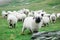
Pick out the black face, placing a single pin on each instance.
(38, 19)
(5, 16)
(26, 13)
(35, 31)
(42, 15)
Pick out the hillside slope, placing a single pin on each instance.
(48, 5)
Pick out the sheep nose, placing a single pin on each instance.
(38, 20)
(42, 15)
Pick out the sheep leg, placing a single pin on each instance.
(14, 25)
(30, 31)
(54, 21)
(51, 21)
(44, 24)
(10, 25)
(47, 24)
(35, 31)
(23, 20)
(23, 29)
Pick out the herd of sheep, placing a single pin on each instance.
(32, 20)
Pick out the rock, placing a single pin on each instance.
(51, 35)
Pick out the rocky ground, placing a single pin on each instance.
(52, 35)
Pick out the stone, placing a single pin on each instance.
(51, 35)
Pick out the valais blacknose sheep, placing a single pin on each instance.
(12, 20)
(31, 23)
(4, 14)
(53, 18)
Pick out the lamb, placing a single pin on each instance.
(58, 15)
(21, 16)
(31, 14)
(53, 18)
(12, 20)
(4, 14)
(42, 13)
(18, 15)
(45, 18)
(26, 11)
(31, 23)
(45, 21)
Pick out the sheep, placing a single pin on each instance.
(31, 14)
(45, 21)
(31, 23)
(45, 17)
(26, 11)
(41, 12)
(37, 14)
(20, 17)
(4, 14)
(58, 15)
(12, 20)
(53, 18)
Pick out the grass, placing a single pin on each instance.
(14, 34)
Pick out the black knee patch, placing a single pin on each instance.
(35, 31)
(53, 20)
(44, 24)
(10, 24)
